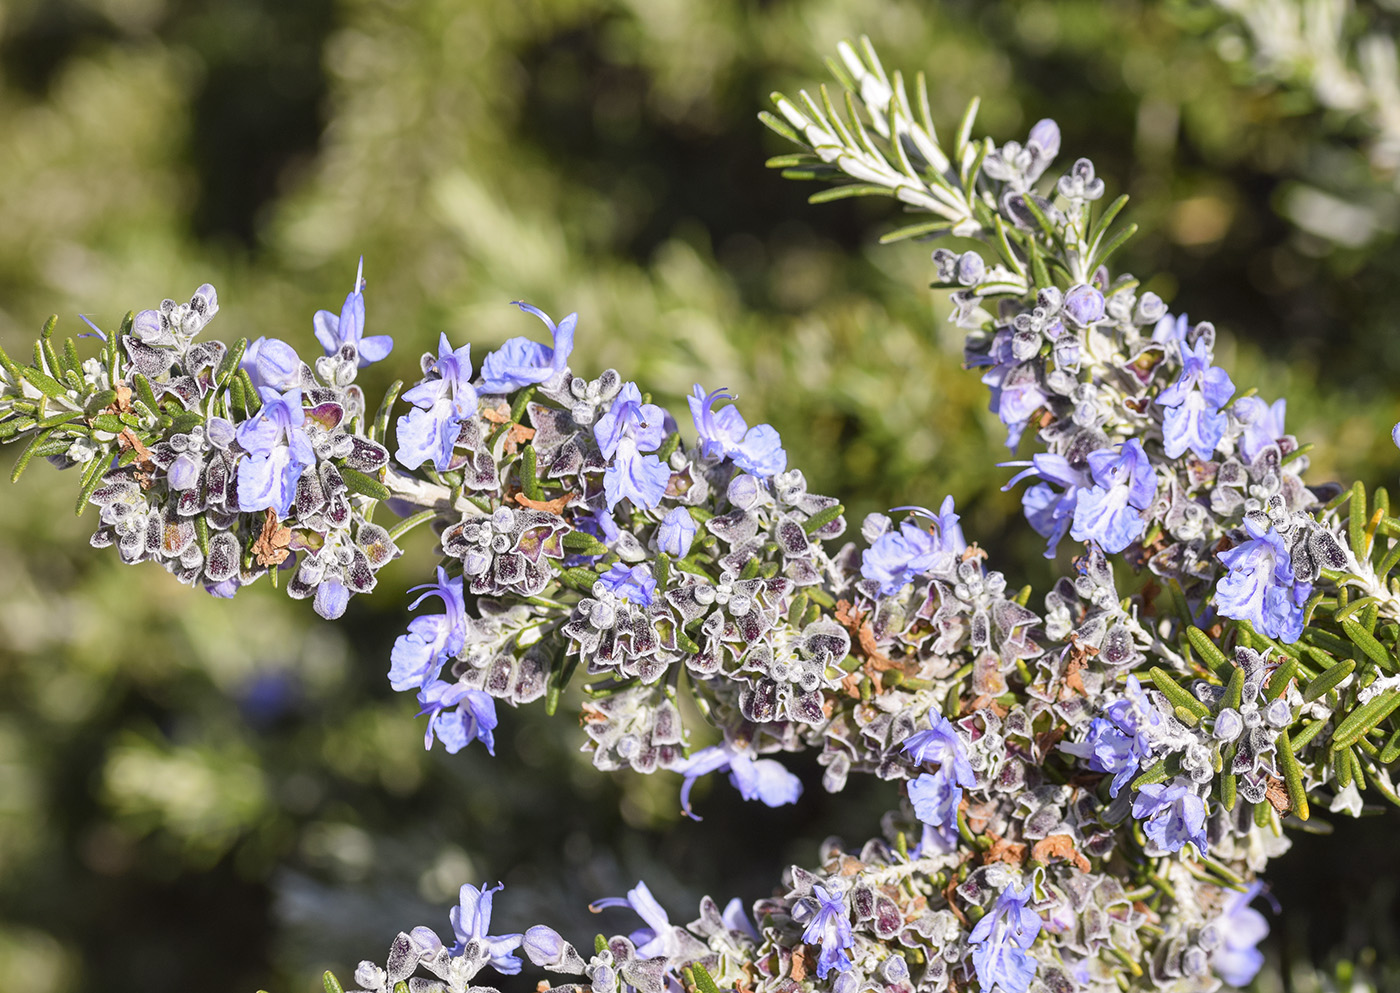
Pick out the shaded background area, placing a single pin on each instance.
(226, 795)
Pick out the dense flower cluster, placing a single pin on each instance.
(1088, 786)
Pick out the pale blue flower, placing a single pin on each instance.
(1109, 750)
(427, 435)
(1241, 928)
(522, 362)
(278, 453)
(634, 584)
(1000, 940)
(633, 476)
(1015, 388)
(896, 558)
(1110, 511)
(676, 532)
(1262, 423)
(473, 719)
(658, 938)
(1049, 511)
(1260, 586)
(1172, 814)
(830, 927)
(418, 656)
(471, 919)
(764, 780)
(941, 744)
(725, 434)
(935, 797)
(628, 417)
(440, 403)
(272, 362)
(1194, 420)
(349, 328)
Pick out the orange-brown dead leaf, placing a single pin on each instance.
(496, 415)
(864, 634)
(122, 404)
(1277, 795)
(554, 506)
(801, 963)
(1010, 852)
(1059, 846)
(851, 866)
(1047, 740)
(270, 547)
(128, 439)
(984, 702)
(517, 436)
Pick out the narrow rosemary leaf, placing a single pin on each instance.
(822, 518)
(364, 485)
(1176, 695)
(1210, 653)
(1361, 720)
(851, 190)
(1329, 679)
(1365, 641)
(779, 126)
(1356, 520)
(914, 231)
(409, 523)
(1293, 776)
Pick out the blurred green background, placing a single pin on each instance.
(200, 794)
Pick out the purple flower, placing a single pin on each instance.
(936, 797)
(1172, 814)
(471, 919)
(755, 779)
(1120, 741)
(1260, 587)
(1015, 387)
(1050, 512)
(1262, 423)
(272, 362)
(676, 532)
(1241, 927)
(427, 435)
(941, 744)
(633, 476)
(1109, 750)
(473, 720)
(521, 362)
(278, 453)
(545, 946)
(184, 473)
(349, 328)
(658, 939)
(725, 434)
(1110, 512)
(1001, 939)
(418, 656)
(829, 926)
(429, 431)
(736, 920)
(1194, 419)
(634, 584)
(898, 557)
(628, 417)
(1084, 305)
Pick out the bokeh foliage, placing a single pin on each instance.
(204, 794)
